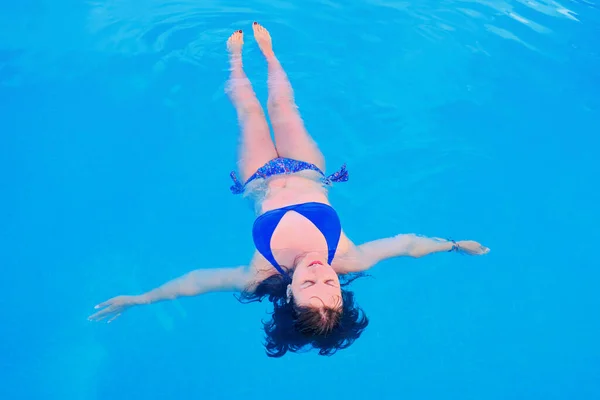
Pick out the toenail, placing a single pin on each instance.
(255, 23)
(240, 31)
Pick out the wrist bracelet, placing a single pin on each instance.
(455, 246)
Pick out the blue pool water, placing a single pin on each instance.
(471, 119)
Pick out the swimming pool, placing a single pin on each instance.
(464, 119)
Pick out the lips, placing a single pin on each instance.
(315, 263)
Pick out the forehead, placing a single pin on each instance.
(329, 301)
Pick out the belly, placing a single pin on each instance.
(286, 190)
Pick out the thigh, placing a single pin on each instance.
(291, 138)
(256, 146)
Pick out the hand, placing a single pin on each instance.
(472, 248)
(114, 307)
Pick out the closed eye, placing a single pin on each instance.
(329, 282)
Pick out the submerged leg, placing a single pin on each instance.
(291, 138)
(256, 147)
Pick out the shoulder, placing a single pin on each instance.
(348, 258)
(257, 272)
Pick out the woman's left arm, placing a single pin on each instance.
(410, 245)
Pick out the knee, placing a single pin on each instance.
(281, 105)
(251, 108)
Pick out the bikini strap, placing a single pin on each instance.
(238, 187)
(340, 176)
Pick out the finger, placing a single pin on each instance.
(113, 318)
(481, 250)
(105, 303)
(100, 315)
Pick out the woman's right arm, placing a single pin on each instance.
(198, 282)
(191, 284)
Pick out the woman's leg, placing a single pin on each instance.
(291, 138)
(256, 147)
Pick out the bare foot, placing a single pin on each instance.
(263, 39)
(235, 43)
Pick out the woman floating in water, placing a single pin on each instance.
(303, 259)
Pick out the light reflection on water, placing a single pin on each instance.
(428, 89)
(191, 30)
(387, 64)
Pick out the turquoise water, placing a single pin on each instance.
(469, 119)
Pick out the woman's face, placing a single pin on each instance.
(315, 284)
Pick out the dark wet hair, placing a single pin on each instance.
(293, 328)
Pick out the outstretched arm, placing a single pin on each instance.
(191, 284)
(411, 245)
(198, 282)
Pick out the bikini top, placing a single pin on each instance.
(323, 216)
